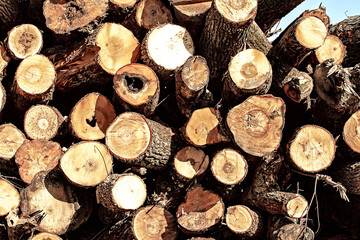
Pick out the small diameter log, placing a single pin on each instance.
(191, 14)
(91, 116)
(86, 164)
(249, 73)
(118, 47)
(312, 149)
(34, 82)
(42, 122)
(351, 133)
(256, 124)
(297, 85)
(63, 207)
(244, 222)
(11, 138)
(191, 81)
(63, 17)
(119, 192)
(9, 197)
(348, 174)
(24, 40)
(224, 35)
(281, 228)
(166, 48)
(331, 48)
(141, 142)
(137, 88)
(36, 156)
(203, 128)
(45, 236)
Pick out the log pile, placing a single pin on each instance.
(177, 119)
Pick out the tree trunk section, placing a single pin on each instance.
(256, 39)
(9, 197)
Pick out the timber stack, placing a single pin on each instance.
(177, 119)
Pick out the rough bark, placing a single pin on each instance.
(256, 39)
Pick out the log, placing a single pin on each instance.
(24, 40)
(256, 39)
(347, 173)
(224, 35)
(348, 31)
(244, 222)
(2, 99)
(280, 228)
(11, 139)
(331, 48)
(9, 197)
(86, 164)
(350, 135)
(201, 211)
(249, 73)
(91, 116)
(4, 60)
(35, 156)
(203, 128)
(166, 48)
(120, 9)
(118, 47)
(191, 80)
(45, 236)
(297, 85)
(137, 88)
(256, 124)
(42, 122)
(34, 82)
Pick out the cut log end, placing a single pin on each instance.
(150, 13)
(124, 3)
(25, 40)
(331, 48)
(86, 164)
(190, 8)
(11, 139)
(351, 132)
(297, 207)
(194, 74)
(229, 167)
(237, 11)
(91, 116)
(46, 236)
(9, 197)
(312, 149)
(2, 97)
(190, 162)
(311, 32)
(298, 86)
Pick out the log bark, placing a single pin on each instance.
(9, 197)
(348, 173)
(10, 15)
(256, 39)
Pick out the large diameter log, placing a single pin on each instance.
(9, 197)
(24, 40)
(256, 124)
(312, 148)
(331, 48)
(137, 88)
(86, 164)
(118, 47)
(249, 73)
(224, 35)
(63, 17)
(91, 116)
(166, 48)
(11, 138)
(34, 82)
(36, 156)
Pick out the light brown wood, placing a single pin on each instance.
(331, 48)
(351, 132)
(45, 236)
(124, 3)
(151, 13)
(9, 197)
(2, 97)
(4, 60)
(11, 138)
(298, 85)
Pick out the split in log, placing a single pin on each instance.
(46, 236)
(137, 88)
(244, 222)
(63, 17)
(34, 82)
(9, 197)
(166, 48)
(119, 192)
(42, 122)
(256, 124)
(36, 156)
(24, 40)
(203, 128)
(86, 164)
(191, 81)
(331, 48)
(249, 73)
(281, 228)
(312, 149)
(118, 47)
(201, 211)
(91, 116)
(11, 139)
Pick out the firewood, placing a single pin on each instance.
(42, 122)
(63, 207)
(297, 85)
(36, 156)
(137, 88)
(256, 39)
(201, 211)
(119, 192)
(11, 139)
(10, 13)
(165, 48)
(45, 236)
(34, 82)
(141, 142)
(348, 32)
(331, 48)
(256, 124)
(203, 128)
(280, 228)
(350, 135)
(86, 164)
(119, 9)
(9, 197)
(24, 40)
(249, 73)
(2, 99)
(312, 148)
(244, 222)
(191, 81)
(19, 227)
(91, 116)
(224, 35)
(63, 17)
(4, 61)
